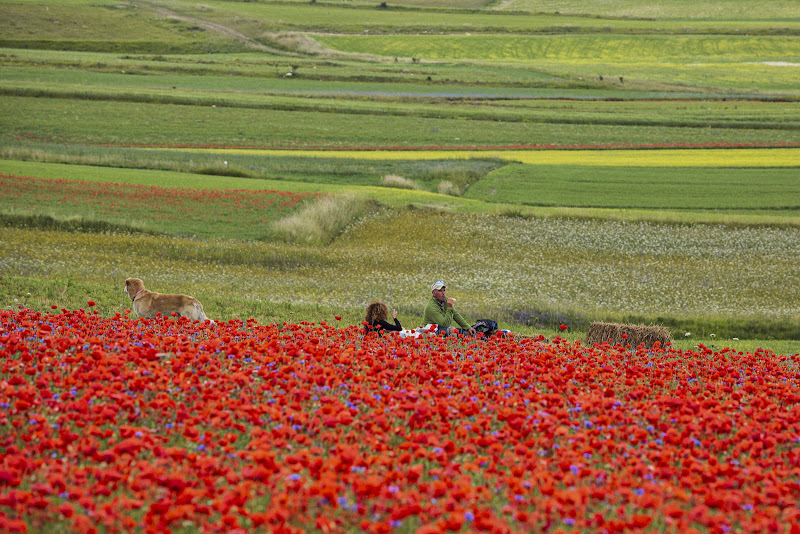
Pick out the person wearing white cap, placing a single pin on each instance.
(439, 311)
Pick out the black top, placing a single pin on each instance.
(378, 326)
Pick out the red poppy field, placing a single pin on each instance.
(117, 424)
(176, 209)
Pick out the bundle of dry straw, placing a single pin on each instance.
(636, 334)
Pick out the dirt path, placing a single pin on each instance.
(212, 26)
(502, 5)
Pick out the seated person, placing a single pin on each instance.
(377, 313)
(439, 311)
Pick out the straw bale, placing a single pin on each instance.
(637, 334)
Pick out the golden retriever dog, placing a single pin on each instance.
(149, 303)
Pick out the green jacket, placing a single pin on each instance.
(434, 314)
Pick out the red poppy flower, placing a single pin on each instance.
(562, 327)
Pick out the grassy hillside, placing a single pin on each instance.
(196, 135)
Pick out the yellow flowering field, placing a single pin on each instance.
(666, 157)
(617, 48)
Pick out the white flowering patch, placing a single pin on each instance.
(490, 264)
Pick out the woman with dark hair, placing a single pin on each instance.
(377, 314)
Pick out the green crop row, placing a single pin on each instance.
(319, 76)
(251, 164)
(328, 97)
(349, 18)
(112, 27)
(674, 188)
(739, 10)
(598, 48)
(134, 123)
(739, 62)
(730, 10)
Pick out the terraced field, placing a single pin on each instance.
(668, 120)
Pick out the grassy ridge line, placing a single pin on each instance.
(731, 157)
(389, 196)
(157, 178)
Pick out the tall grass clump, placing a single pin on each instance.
(449, 188)
(460, 173)
(392, 180)
(454, 178)
(318, 223)
(295, 42)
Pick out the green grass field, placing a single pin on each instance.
(79, 121)
(643, 187)
(738, 10)
(740, 63)
(667, 9)
(678, 194)
(235, 213)
(692, 277)
(506, 104)
(107, 109)
(531, 274)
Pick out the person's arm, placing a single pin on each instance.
(391, 327)
(453, 315)
(460, 320)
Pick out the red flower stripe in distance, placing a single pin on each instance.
(167, 203)
(117, 424)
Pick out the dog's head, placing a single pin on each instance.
(133, 286)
